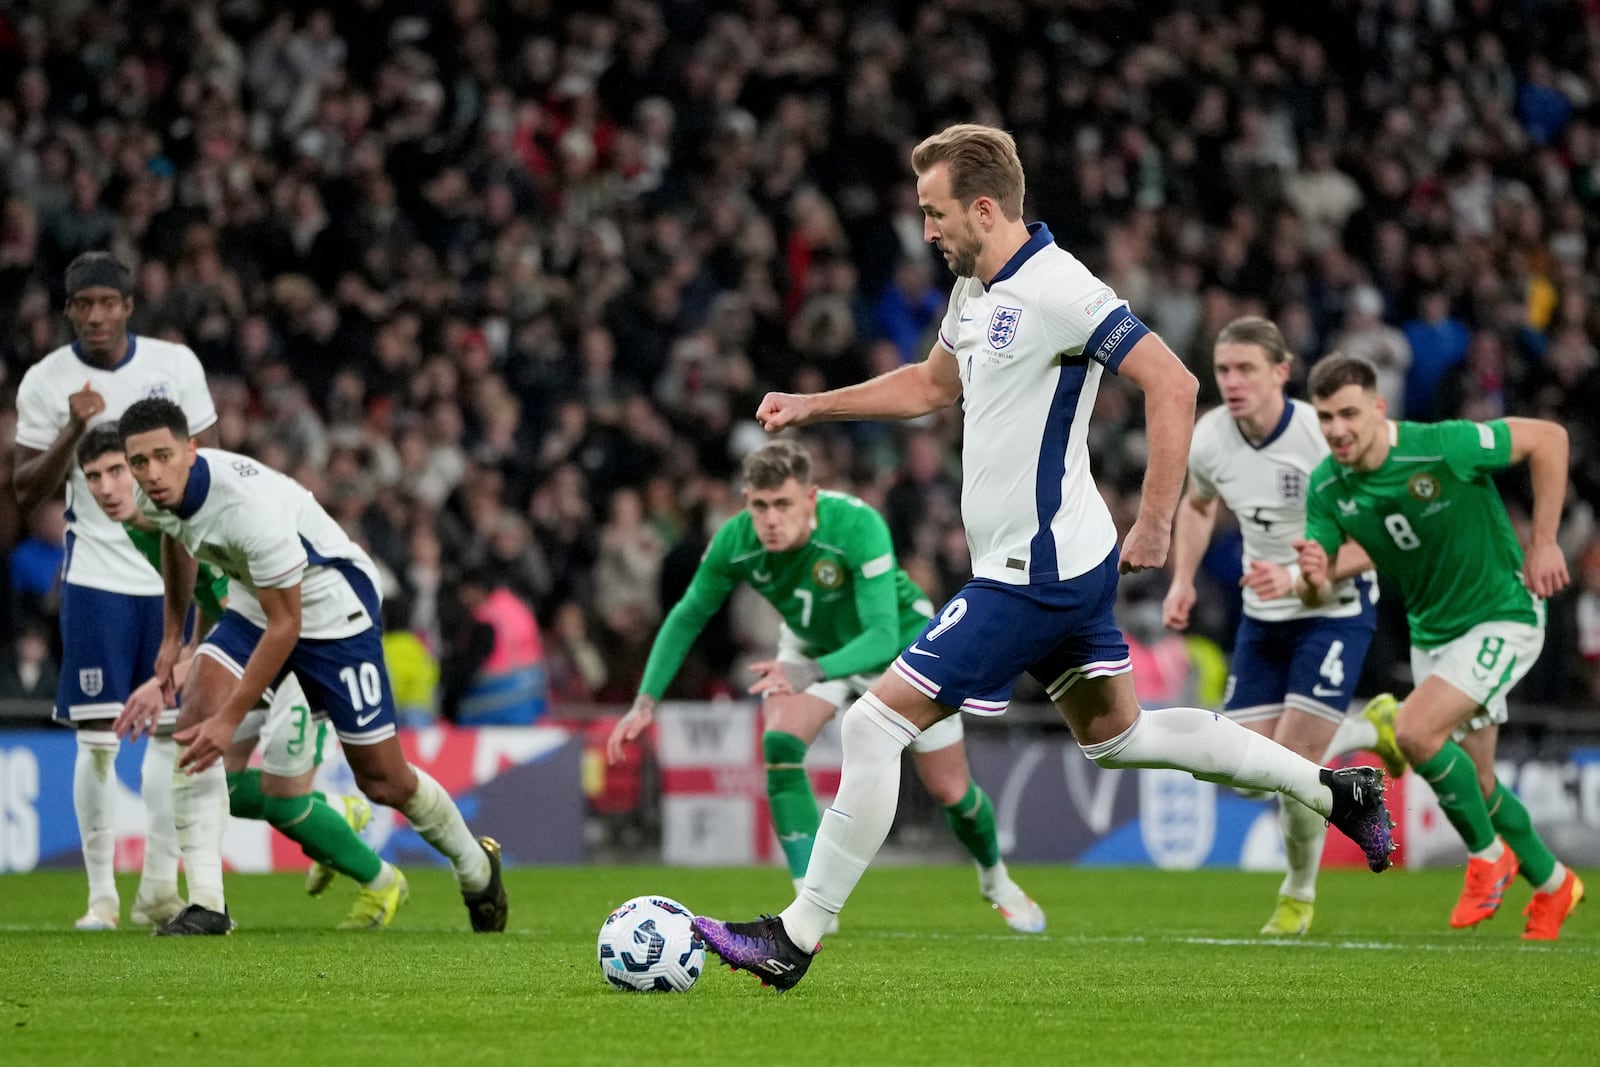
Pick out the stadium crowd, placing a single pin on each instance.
(504, 280)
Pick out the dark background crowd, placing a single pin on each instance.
(503, 281)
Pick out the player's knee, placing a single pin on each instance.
(948, 789)
(1416, 744)
(385, 790)
(867, 722)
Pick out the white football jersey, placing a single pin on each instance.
(1030, 347)
(264, 530)
(1265, 487)
(99, 554)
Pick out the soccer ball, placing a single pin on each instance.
(648, 945)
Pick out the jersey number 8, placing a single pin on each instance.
(1405, 538)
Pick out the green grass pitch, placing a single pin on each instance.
(1137, 967)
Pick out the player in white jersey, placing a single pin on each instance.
(303, 597)
(110, 599)
(1294, 668)
(1027, 336)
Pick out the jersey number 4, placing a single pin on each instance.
(1405, 538)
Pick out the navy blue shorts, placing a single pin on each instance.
(344, 678)
(109, 646)
(1311, 665)
(970, 655)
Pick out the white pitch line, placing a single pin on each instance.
(1236, 942)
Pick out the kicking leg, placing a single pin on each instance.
(1112, 730)
(941, 762)
(876, 730)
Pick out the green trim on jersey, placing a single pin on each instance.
(210, 586)
(1431, 518)
(842, 592)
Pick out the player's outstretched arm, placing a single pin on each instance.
(1169, 393)
(906, 393)
(1197, 518)
(1544, 445)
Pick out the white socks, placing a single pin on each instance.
(200, 810)
(1355, 734)
(852, 829)
(1304, 832)
(386, 876)
(438, 821)
(94, 790)
(1214, 749)
(160, 877)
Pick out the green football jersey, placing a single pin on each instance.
(1431, 518)
(842, 592)
(210, 586)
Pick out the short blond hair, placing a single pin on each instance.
(773, 464)
(980, 160)
(1263, 333)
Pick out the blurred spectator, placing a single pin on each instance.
(576, 665)
(29, 672)
(413, 670)
(1439, 342)
(626, 573)
(35, 564)
(1366, 336)
(492, 672)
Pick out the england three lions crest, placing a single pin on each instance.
(1291, 484)
(91, 680)
(1003, 326)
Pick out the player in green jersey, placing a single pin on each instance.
(1419, 500)
(825, 561)
(280, 793)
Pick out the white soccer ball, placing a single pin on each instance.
(648, 945)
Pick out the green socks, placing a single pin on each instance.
(1454, 779)
(323, 835)
(308, 821)
(789, 795)
(244, 795)
(971, 819)
(1510, 818)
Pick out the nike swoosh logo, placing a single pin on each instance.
(362, 720)
(966, 318)
(915, 651)
(758, 576)
(1318, 691)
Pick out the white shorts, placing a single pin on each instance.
(842, 692)
(1484, 663)
(292, 737)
